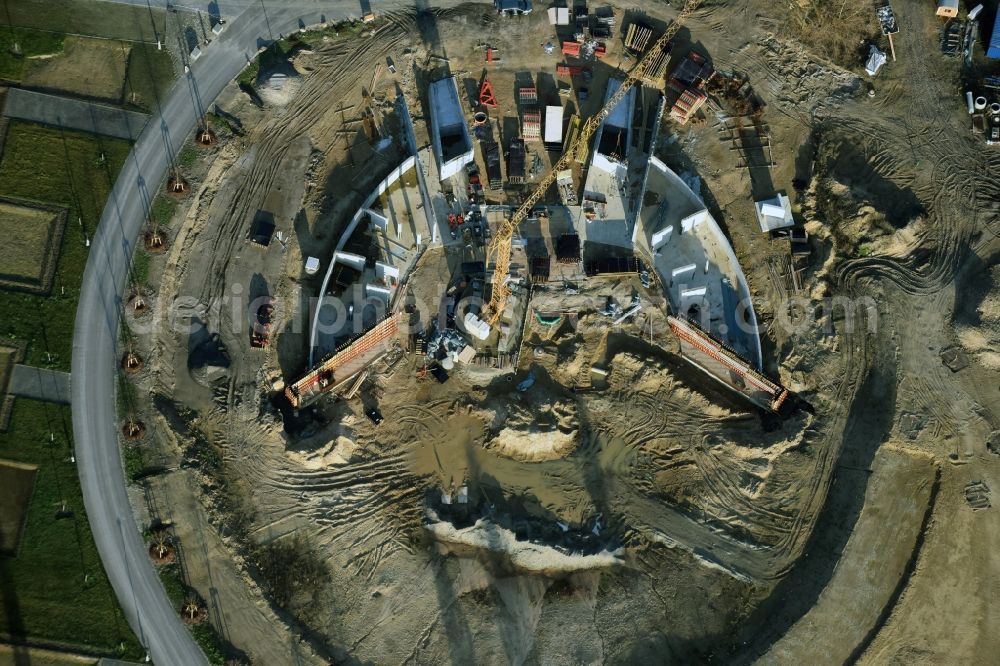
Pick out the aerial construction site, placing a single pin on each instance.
(633, 333)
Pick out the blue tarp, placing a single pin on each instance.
(993, 50)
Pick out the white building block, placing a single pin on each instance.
(683, 270)
(355, 261)
(660, 238)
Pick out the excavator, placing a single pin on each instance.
(499, 250)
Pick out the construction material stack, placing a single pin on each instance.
(491, 152)
(554, 128)
(499, 250)
(531, 119)
(515, 162)
(687, 105)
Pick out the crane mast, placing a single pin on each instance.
(499, 249)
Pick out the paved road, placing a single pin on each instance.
(232, 8)
(40, 384)
(122, 551)
(74, 114)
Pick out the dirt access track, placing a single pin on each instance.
(670, 521)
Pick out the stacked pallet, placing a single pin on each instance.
(531, 124)
(527, 95)
(688, 104)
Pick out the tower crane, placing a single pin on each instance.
(499, 249)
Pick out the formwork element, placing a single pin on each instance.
(657, 69)
(531, 124)
(494, 175)
(726, 366)
(449, 134)
(515, 162)
(571, 48)
(688, 104)
(486, 96)
(693, 71)
(344, 363)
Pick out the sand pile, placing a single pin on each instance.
(524, 555)
(631, 373)
(982, 338)
(332, 446)
(533, 426)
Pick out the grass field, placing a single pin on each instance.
(10, 654)
(86, 17)
(17, 482)
(87, 67)
(26, 256)
(8, 356)
(148, 78)
(63, 168)
(30, 43)
(56, 589)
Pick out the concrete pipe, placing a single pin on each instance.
(480, 118)
(968, 100)
(995, 109)
(980, 103)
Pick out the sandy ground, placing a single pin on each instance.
(739, 536)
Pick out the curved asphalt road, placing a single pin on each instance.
(95, 426)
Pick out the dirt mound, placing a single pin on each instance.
(524, 555)
(635, 374)
(337, 451)
(979, 333)
(534, 425)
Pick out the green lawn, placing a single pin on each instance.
(56, 589)
(29, 43)
(148, 78)
(59, 167)
(85, 17)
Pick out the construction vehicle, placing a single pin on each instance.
(499, 249)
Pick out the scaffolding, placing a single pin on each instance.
(346, 362)
(726, 366)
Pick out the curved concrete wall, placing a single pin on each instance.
(397, 173)
(734, 265)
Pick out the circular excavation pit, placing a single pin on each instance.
(487, 485)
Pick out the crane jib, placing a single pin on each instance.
(499, 248)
